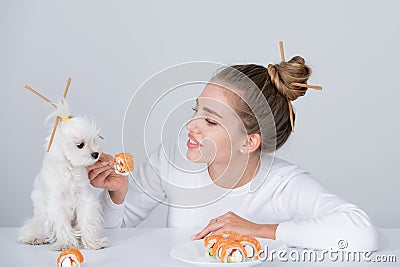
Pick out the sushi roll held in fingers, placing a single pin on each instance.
(232, 252)
(123, 163)
(70, 258)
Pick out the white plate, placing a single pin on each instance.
(194, 252)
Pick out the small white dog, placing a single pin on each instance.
(66, 212)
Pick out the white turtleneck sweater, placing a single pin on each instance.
(281, 193)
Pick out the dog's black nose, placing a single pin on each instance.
(95, 155)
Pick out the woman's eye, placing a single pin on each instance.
(210, 122)
(80, 146)
(194, 109)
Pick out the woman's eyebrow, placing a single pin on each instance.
(206, 109)
(211, 111)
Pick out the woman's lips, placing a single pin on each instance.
(192, 142)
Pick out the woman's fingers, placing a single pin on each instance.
(106, 157)
(102, 175)
(104, 160)
(94, 166)
(98, 176)
(95, 172)
(214, 225)
(210, 228)
(227, 222)
(101, 180)
(97, 165)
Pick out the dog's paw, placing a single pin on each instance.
(94, 244)
(58, 246)
(34, 241)
(66, 243)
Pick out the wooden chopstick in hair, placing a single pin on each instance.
(39, 95)
(291, 114)
(67, 87)
(282, 51)
(53, 133)
(316, 87)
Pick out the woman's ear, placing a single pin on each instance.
(253, 143)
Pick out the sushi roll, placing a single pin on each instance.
(216, 249)
(232, 247)
(232, 252)
(209, 242)
(230, 234)
(251, 246)
(123, 163)
(70, 258)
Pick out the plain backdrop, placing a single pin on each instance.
(346, 135)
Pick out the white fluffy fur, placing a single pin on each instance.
(66, 213)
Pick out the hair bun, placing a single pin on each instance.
(284, 74)
(298, 60)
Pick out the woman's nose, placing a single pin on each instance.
(192, 124)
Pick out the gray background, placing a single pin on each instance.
(346, 135)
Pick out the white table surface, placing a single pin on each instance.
(151, 247)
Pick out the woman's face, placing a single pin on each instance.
(216, 133)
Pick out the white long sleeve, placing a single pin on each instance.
(112, 213)
(139, 201)
(311, 217)
(307, 214)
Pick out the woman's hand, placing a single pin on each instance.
(232, 222)
(102, 175)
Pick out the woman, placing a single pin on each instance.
(242, 116)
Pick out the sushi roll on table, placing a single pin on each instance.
(232, 252)
(209, 242)
(70, 258)
(251, 246)
(232, 247)
(231, 235)
(216, 250)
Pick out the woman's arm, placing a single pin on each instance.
(308, 216)
(126, 205)
(314, 218)
(102, 175)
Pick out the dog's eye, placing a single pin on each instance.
(80, 146)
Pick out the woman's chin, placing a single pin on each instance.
(193, 156)
(197, 157)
